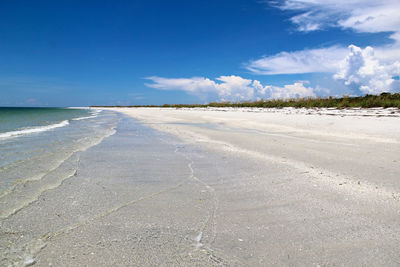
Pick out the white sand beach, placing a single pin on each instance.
(200, 133)
(319, 187)
(220, 187)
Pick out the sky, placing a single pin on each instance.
(139, 52)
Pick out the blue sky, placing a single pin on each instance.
(79, 53)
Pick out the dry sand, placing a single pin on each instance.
(223, 187)
(318, 187)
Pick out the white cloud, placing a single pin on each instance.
(231, 88)
(374, 16)
(303, 61)
(370, 16)
(315, 60)
(291, 91)
(368, 70)
(192, 85)
(234, 88)
(295, 90)
(358, 15)
(364, 72)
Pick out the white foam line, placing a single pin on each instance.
(84, 118)
(93, 113)
(38, 129)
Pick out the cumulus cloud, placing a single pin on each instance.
(291, 91)
(326, 60)
(231, 88)
(227, 88)
(359, 15)
(368, 70)
(234, 87)
(362, 71)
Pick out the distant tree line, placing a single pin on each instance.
(384, 100)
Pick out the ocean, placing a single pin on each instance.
(41, 146)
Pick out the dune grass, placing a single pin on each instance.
(384, 100)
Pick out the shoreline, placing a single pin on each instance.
(210, 188)
(363, 112)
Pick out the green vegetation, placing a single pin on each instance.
(384, 100)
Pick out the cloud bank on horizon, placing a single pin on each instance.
(369, 70)
(231, 88)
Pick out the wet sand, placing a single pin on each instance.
(222, 187)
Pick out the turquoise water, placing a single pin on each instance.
(15, 120)
(41, 146)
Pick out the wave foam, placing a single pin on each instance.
(84, 118)
(33, 130)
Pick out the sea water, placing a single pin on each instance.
(39, 148)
